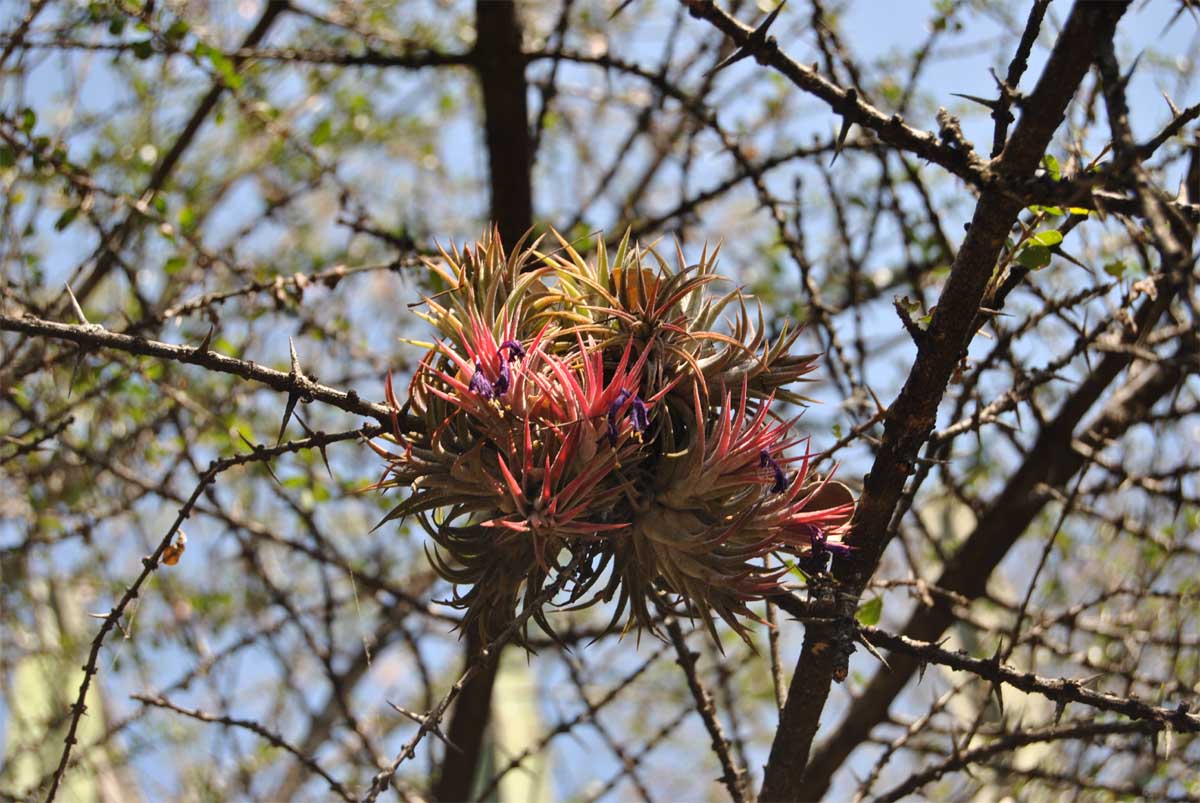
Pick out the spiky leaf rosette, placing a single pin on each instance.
(611, 414)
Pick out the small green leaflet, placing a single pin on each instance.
(870, 612)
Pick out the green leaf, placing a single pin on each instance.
(1034, 256)
(1055, 211)
(797, 572)
(1079, 210)
(870, 612)
(222, 65)
(143, 49)
(187, 218)
(66, 218)
(1048, 238)
(28, 120)
(1051, 165)
(1116, 268)
(8, 157)
(322, 133)
(174, 265)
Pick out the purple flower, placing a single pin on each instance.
(480, 384)
(515, 350)
(639, 416)
(504, 381)
(613, 410)
(766, 461)
(820, 559)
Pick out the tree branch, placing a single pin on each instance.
(732, 776)
(911, 417)
(480, 664)
(1050, 463)
(1060, 690)
(149, 564)
(500, 64)
(91, 336)
(501, 68)
(162, 171)
(254, 727)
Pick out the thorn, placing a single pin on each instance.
(78, 309)
(994, 105)
(204, 344)
(421, 719)
(320, 446)
(266, 463)
(1123, 83)
(752, 44)
(1184, 5)
(1009, 97)
(293, 396)
(295, 359)
(1175, 112)
(874, 652)
(1058, 251)
(880, 412)
(921, 670)
(851, 100)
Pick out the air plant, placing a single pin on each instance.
(615, 414)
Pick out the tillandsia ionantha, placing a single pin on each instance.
(615, 415)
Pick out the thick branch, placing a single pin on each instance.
(911, 417)
(501, 68)
(1050, 464)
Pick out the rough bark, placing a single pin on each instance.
(911, 417)
(500, 65)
